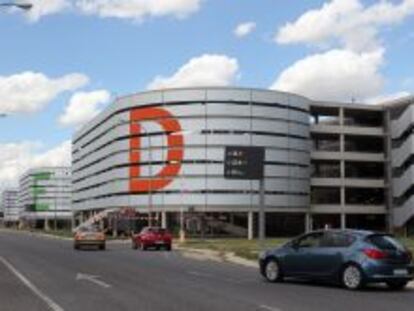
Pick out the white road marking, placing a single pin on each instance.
(50, 303)
(93, 279)
(268, 308)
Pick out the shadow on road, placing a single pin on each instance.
(370, 288)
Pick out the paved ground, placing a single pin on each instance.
(38, 273)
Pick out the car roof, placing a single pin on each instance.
(362, 233)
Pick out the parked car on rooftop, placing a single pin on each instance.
(352, 258)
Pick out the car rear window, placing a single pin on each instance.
(156, 230)
(385, 242)
(88, 229)
(159, 230)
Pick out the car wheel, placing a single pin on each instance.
(352, 277)
(397, 285)
(134, 245)
(102, 247)
(76, 246)
(272, 271)
(168, 248)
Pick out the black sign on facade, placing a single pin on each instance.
(242, 162)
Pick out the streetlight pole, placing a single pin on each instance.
(150, 177)
(56, 203)
(182, 229)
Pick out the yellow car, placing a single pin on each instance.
(89, 236)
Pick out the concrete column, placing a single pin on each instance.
(164, 223)
(343, 198)
(46, 225)
(232, 218)
(101, 224)
(308, 222)
(341, 116)
(343, 221)
(115, 226)
(250, 223)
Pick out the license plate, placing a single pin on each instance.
(400, 272)
(159, 242)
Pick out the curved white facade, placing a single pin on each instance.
(168, 146)
(402, 159)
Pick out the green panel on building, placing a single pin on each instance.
(41, 207)
(38, 190)
(42, 175)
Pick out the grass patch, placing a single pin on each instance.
(248, 249)
(409, 242)
(58, 233)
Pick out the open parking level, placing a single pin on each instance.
(59, 278)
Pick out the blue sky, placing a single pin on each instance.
(122, 55)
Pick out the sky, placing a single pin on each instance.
(64, 61)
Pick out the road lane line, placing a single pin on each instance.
(93, 279)
(50, 303)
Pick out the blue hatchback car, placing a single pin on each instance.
(352, 258)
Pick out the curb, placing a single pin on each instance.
(206, 254)
(32, 233)
(56, 237)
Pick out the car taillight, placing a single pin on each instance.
(374, 253)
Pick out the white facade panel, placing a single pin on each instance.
(211, 119)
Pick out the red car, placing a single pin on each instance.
(152, 237)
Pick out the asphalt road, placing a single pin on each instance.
(39, 273)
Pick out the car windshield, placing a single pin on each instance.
(156, 230)
(88, 229)
(385, 242)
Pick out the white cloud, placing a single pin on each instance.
(46, 7)
(387, 97)
(84, 106)
(347, 21)
(31, 91)
(16, 158)
(138, 9)
(205, 70)
(244, 29)
(334, 75)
